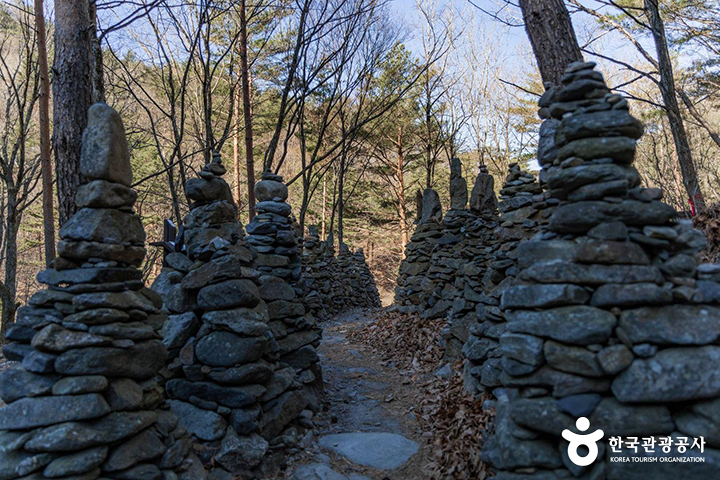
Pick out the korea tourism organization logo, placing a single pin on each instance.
(650, 449)
(577, 440)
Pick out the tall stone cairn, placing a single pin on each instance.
(224, 373)
(525, 209)
(471, 255)
(409, 295)
(272, 234)
(82, 400)
(438, 284)
(611, 317)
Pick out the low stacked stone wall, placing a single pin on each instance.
(320, 276)
(409, 294)
(83, 401)
(610, 318)
(525, 208)
(333, 284)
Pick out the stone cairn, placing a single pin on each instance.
(224, 380)
(319, 276)
(359, 283)
(525, 209)
(82, 400)
(438, 283)
(610, 318)
(334, 284)
(471, 255)
(409, 293)
(365, 291)
(279, 261)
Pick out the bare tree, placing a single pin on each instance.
(667, 90)
(72, 96)
(19, 166)
(247, 110)
(44, 120)
(663, 78)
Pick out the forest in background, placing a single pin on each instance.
(357, 103)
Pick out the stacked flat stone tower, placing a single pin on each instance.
(409, 294)
(365, 289)
(471, 255)
(224, 379)
(272, 234)
(82, 401)
(610, 318)
(446, 258)
(525, 210)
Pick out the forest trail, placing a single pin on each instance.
(367, 428)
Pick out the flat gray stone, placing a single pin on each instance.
(317, 471)
(204, 424)
(384, 451)
(672, 375)
(42, 411)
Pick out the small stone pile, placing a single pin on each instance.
(319, 277)
(82, 400)
(409, 294)
(357, 280)
(272, 234)
(224, 380)
(471, 256)
(611, 317)
(334, 284)
(366, 294)
(525, 209)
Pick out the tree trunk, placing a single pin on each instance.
(8, 291)
(247, 112)
(96, 59)
(552, 37)
(402, 208)
(44, 116)
(324, 203)
(236, 150)
(72, 96)
(340, 202)
(667, 90)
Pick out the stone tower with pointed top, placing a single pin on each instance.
(82, 400)
(611, 318)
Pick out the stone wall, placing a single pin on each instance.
(82, 400)
(463, 261)
(333, 284)
(525, 209)
(610, 317)
(409, 293)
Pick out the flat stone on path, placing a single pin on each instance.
(384, 451)
(321, 471)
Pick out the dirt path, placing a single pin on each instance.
(368, 416)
